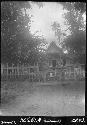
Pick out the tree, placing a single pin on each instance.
(17, 44)
(80, 6)
(28, 51)
(76, 42)
(76, 45)
(74, 17)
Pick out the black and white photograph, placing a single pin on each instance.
(43, 58)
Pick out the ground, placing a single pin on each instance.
(43, 99)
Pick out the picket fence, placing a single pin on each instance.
(32, 73)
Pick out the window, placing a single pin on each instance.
(31, 70)
(64, 62)
(54, 63)
(50, 63)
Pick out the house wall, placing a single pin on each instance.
(68, 62)
(59, 62)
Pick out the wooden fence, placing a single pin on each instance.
(72, 72)
(19, 72)
(32, 73)
(76, 72)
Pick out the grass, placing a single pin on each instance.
(26, 97)
(11, 90)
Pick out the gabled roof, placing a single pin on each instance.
(53, 48)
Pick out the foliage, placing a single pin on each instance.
(74, 17)
(76, 42)
(76, 45)
(16, 41)
(80, 6)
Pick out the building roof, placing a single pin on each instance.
(53, 48)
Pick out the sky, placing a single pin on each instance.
(42, 19)
(45, 18)
(84, 18)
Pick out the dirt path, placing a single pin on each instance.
(49, 100)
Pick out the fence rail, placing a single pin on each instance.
(32, 73)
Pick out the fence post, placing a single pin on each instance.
(7, 70)
(18, 70)
(74, 72)
(1, 69)
(23, 70)
(12, 69)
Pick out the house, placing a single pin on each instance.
(56, 58)
(54, 62)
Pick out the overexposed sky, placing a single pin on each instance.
(42, 18)
(84, 18)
